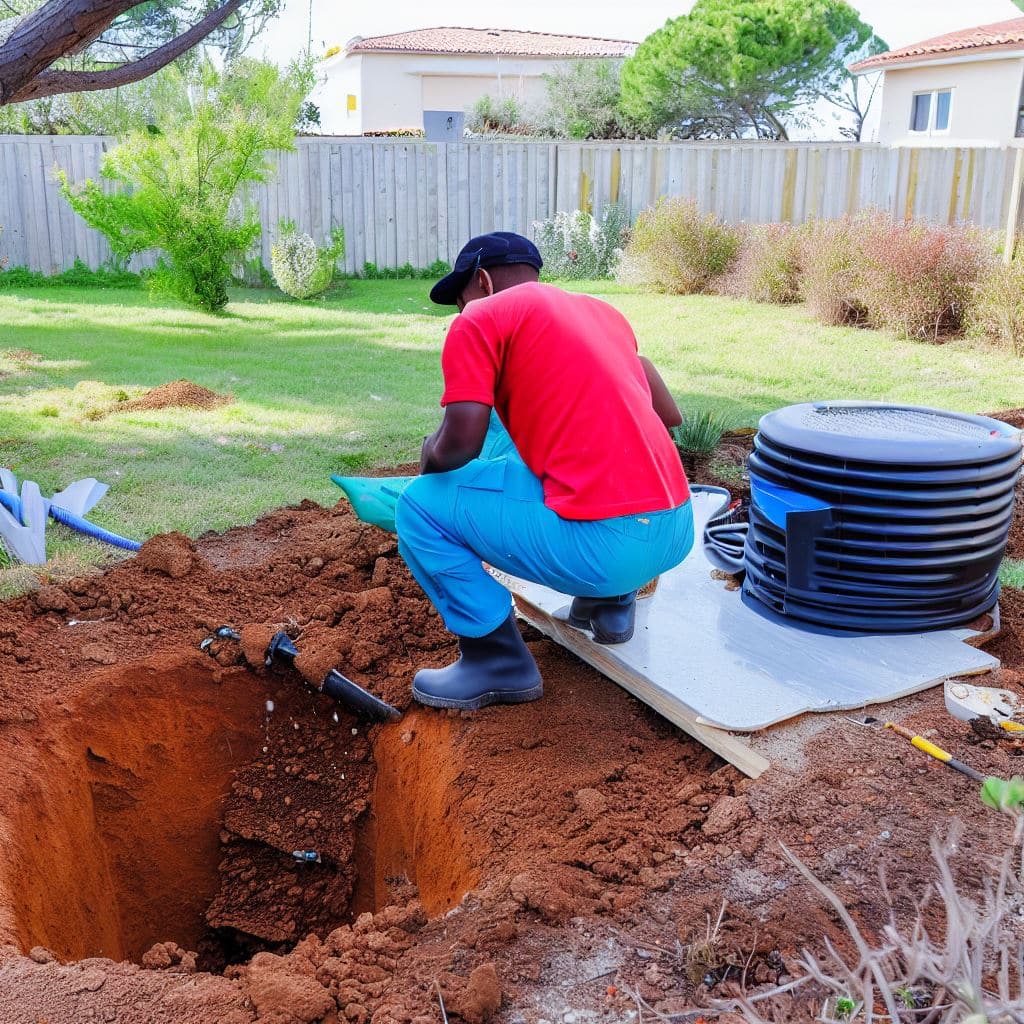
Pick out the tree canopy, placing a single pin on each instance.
(732, 68)
(65, 46)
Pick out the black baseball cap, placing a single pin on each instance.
(493, 250)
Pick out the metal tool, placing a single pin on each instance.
(969, 702)
(929, 748)
(334, 684)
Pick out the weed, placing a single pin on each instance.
(699, 434)
(49, 410)
(705, 955)
(972, 963)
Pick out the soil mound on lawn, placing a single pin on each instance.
(177, 394)
(197, 838)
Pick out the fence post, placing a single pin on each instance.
(1013, 211)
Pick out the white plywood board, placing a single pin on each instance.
(724, 662)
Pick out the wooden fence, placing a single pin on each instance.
(410, 201)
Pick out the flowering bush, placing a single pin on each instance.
(300, 268)
(673, 247)
(576, 246)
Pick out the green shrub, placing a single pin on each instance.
(996, 309)
(578, 246)
(76, 276)
(673, 247)
(918, 279)
(831, 269)
(181, 190)
(582, 101)
(768, 266)
(912, 278)
(493, 114)
(436, 270)
(302, 270)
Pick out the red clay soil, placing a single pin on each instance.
(1015, 545)
(177, 394)
(528, 862)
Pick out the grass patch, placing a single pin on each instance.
(1011, 573)
(353, 381)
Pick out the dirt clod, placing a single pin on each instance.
(172, 554)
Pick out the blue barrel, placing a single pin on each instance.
(879, 518)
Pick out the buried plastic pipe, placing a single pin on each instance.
(61, 515)
(334, 684)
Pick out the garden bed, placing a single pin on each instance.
(566, 859)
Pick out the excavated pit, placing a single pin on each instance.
(163, 806)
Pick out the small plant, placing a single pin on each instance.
(673, 247)
(768, 266)
(301, 269)
(49, 411)
(845, 1007)
(699, 434)
(577, 246)
(996, 308)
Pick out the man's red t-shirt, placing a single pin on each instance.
(562, 371)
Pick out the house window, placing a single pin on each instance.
(929, 111)
(350, 103)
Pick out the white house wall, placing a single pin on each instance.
(983, 110)
(342, 79)
(393, 90)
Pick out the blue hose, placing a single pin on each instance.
(13, 505)
(62, 515)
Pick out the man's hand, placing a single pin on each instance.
(662, 400)
(458, 440)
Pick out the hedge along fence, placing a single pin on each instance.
(408, 201)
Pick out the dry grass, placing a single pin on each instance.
(970, 972)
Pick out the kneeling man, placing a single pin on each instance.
(553, 463)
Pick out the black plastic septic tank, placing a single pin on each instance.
(879, 518)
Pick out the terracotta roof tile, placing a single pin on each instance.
(1000, 35)
(499, 41)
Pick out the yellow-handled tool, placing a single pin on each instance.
(929, 748)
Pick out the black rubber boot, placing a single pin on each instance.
(610, 619)
(493, 669)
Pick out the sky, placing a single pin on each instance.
(334, 22)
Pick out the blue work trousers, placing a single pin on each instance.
(492, 510)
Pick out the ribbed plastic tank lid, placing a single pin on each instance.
(874, 431)
(860, 422)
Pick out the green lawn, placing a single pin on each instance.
(353, 381)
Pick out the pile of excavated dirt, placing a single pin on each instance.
(187, 838)
(177, 394)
